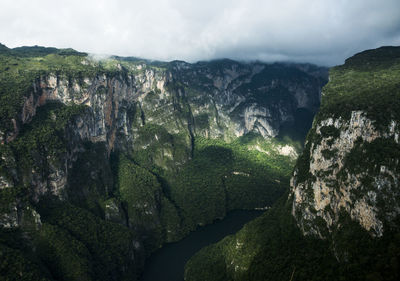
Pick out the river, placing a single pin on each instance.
(167, 263)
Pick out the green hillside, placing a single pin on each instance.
(297, 239)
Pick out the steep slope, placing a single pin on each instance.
(340, 220)
(105, 159)
(351, 162)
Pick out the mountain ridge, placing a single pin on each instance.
(119, 143)
(340, 219)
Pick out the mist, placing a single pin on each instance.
(321, 32)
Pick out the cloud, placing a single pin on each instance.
(323, 32)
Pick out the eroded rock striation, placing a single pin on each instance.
(351, 161)
(333, 186)
(340, 219)
(112, 148)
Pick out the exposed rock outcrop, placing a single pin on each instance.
(350, 165)
(218, 101)
(331, 186)
(223, 99)
(341, 218)
(96, 146)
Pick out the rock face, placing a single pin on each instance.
(333, 187)
(221, 99)
(104, 149)
(340, 220)
(351, 162)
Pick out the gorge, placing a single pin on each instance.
(105, 160)
(339, 220)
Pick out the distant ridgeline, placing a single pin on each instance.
(105, 159)
(340, 220)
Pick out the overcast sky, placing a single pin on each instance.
(319, 31)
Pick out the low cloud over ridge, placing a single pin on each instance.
(322, 32)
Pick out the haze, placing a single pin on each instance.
(322, 32)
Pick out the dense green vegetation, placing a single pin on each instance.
(39, 144)
(269, 248)
(246, 173)
(108, 243)
(21, 67)
(157, 150)
(222, 177)
(161, 205)
(14, 265)
(252, 168)
(369, 81)
(46, 131)
(71, 244)
(272, 247)
(88, 213)
(141, 192)
(65, 256)
(16, 261)
(90, 180)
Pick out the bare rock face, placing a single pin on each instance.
(332, 187)
(222, 99)
(344, 201)
(218, 99)
(350, 165)
(83, 142)
(109, 99)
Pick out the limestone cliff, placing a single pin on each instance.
(137, 153)
(221, 99)
(340, 219)
(335, 186)
(351, 162)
